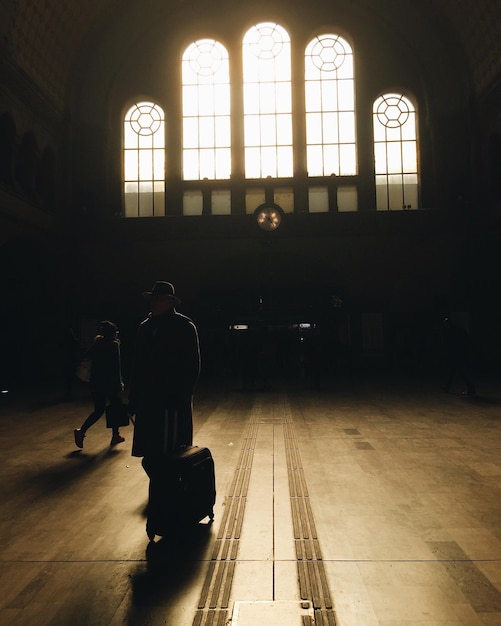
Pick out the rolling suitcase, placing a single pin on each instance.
(182, 490)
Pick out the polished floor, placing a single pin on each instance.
(373, 501)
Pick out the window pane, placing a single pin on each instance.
(252, 132)
(252, 163)
(313, 96)
(145, 166)
(347, 199)
(158, 199)
(268, 130)
(409, 163)
(146, 199)
(394, 158)
(332, 84)
(206, 164)
(130, 165)
(159, 166)
(251, 98)
(331, 160)
(331, 128)
(190, 132)
(380, 158)
(145, 142)
(206, 130)
(347, 128)
(221, 202)
(284, 197)
(283, 98)
(314, 127)
(131, 200)
(144, 160)
(347, 160)
(395, 150)
(267, 100)
(318, 200)
(205, 100)
(192, 202)
(315, 160)
(329, 95)
(223, 131)
(206, 108)
(253, 198)
(223, 163)
(284, 129)
(268, 162)
(190, 165)
(409, 128)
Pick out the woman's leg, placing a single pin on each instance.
(116, 437)
(99, 400)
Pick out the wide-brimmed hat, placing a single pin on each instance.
(162, 289)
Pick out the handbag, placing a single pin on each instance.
(117, 415)
(83, 370)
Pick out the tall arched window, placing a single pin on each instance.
(330, 107)
(206, 111)
(395, 152)
(144, 160)
(267, 102)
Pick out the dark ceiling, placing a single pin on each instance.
(46, 38)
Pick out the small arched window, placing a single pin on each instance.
(206, 111)
(395, 152)
(330, 107)
(144, 160)
(267, 102)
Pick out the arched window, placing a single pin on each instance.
(206, 111)
(395, 152)
(267, 102)
(144, 160)
(330, 107)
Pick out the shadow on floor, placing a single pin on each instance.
(172, 563)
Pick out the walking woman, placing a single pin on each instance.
(105, 379)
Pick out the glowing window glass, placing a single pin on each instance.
(267, 102)
(330, 107)
(206, 111)
(144, 160)
(395, 152)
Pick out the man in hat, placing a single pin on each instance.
(166, 370)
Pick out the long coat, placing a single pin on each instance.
(165, 372)
(105, 370)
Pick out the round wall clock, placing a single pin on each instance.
(269, 216)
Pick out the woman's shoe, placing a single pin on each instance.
(116, 439)
(79, 437)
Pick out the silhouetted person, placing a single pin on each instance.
(70, 349)
(457, 353)
(316, 356)
(105, 379)
(248, 357)
(165, 371)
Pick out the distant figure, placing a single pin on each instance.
(105, 379)
(165, 371)
(70, 350)
(457, 353)
(248, 358)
